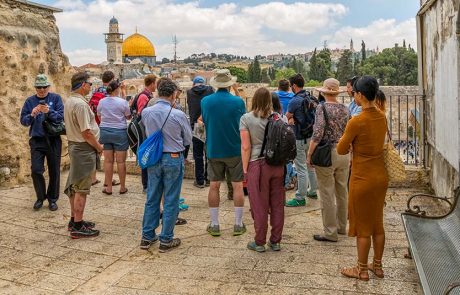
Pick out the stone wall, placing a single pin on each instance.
(29, 45)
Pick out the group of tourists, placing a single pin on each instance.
(279, 144)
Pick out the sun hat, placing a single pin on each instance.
(222, 79)
(41, 81)
(198, 80)
(330, 86)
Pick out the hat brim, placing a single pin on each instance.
(217, 84)
(328, 91)
(42, 84)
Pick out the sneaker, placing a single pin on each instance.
(196, 184)
(295, 203)
(238, 230)
(207, 183)
(145, 244)
(83, 232)
(254, 247)
(313, 196)
(214, 230)
(181, 200)
(85, 223)
(165, 247)
(183, 207)
(274, 246)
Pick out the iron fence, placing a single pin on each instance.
(405, 120)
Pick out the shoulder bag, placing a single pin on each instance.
(393, 163)
(321, 157)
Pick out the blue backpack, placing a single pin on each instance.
(151, 150)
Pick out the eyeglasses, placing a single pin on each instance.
(89, 83)
(41, 87)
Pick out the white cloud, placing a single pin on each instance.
(383, 33)
(87, 55)
(226, 28)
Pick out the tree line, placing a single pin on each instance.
(395, 66)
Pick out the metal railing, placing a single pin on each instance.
(405, 119)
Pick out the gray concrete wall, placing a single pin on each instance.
(440, 75)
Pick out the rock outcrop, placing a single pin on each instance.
(29, 45)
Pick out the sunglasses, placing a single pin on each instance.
(41, 87)
(89, 83)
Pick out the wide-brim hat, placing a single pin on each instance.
(41, 81)
(222, 79)
(331, 86)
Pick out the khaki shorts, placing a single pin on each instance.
(83, 186)
(218, 167)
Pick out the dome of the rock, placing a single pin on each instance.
(137, 45)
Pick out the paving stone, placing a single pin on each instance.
(38, 254)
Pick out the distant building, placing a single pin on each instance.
(114, 41)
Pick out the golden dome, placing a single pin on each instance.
(137, 45)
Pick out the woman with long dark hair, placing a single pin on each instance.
(365, 133)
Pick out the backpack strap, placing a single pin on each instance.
(265, 136)
(166, 118)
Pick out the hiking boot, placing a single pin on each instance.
(145, 244)
(313, 196)
(295, 203)
(214, 230)
(83, 232)
(165, 247)
(274, 246)
(85, 223)
(183, 207)
(254, 247)
(238, 230)
(196, 184)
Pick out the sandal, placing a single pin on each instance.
(104, 191)
(358, 272)
(376, 268)
(123, 192)
(114, 182)
(96, 182)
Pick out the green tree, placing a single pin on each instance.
(393, 66)
(363, 52)
(313, 83)
(257, 72)
(345, 67)
(251, 73)
(320, 65)
(240, 73)
(285, 73)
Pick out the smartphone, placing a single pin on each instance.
(42, 102)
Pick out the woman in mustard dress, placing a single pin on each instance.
(365, 137)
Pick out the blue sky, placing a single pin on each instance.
(240, 27)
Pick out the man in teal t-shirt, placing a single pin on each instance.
(221, 113)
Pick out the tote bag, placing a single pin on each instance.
(151, 150)
(393, 163)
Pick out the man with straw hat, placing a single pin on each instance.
(221, 113)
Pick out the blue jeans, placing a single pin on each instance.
(290, 173)
(165, 180)
(306, 177)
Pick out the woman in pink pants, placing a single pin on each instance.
(265, 183)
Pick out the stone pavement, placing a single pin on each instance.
(38, 257)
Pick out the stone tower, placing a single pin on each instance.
(114, 41)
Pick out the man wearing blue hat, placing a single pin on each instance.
(194, 97)
(44, 105)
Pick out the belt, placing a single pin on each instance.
(173, 153)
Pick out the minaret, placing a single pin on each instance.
(114, 41)
(351, 46)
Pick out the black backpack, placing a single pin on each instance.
(133, 107)
(136, 135)
(278, 147)
(309, 105)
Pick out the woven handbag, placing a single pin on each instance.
(393, 163)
